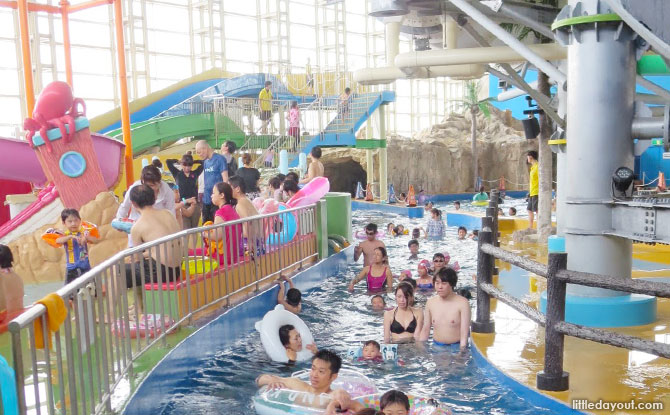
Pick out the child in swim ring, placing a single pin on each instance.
(371, 351)
(425, 281)
(394, 402)
(390, 227)
(399, 230)
(292, 342)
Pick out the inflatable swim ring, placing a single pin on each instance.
(333, 244)
(269, 206)
(480, 203)
(389, 352)
(123, 225)
(149, 326)
(417, 405)
(352, 381)
(340, 239)
(269, 330)
(9, 401)
(284, 229)
(286, 401)
(198, 265)
(310, 193)
(359, 235)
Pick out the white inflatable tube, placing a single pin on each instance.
(286, 401)
(269, 330)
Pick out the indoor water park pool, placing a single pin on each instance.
(338, 321)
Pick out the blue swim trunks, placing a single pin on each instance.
(456, 346)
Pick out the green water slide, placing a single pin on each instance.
(164, 131)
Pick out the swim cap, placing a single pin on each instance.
(446, 257)
(406, 272)
(424, 263)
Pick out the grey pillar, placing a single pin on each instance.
(601, 70)
(561, 162)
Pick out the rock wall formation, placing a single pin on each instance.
(439, 159)
(37, 262)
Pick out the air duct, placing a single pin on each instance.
(388, 8)
(479, 55)
(377, 76)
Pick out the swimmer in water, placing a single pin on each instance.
(413, 246)
(425, 281)
(462, 232)
(371, 351)
(378, 275)
(377, 302)
(447, 312)
(292, 342)
(368, 246)
(403, 323)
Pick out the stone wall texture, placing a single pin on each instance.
(439, 159)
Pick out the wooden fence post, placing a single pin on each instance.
(483, 322)
(553, 378)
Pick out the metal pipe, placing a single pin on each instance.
(65, 19)
(376, 76)
(650, 99)
(648, 127)
(123, 84)
(89, 4)
(525, 20)
(478, 55)
(27, 61)
(450, 30)
(383, 170)
(513, 93)
(600, 111)
(392, 37)
(656, 43)
(524, 50)
(541, 99)
(656, 89)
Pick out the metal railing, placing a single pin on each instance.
(553, 378)
(121, 308)
(187, 108)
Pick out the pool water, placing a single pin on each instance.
(508, 202)
(339, 320)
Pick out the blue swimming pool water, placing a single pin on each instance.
(338, 320)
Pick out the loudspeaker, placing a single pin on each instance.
(531, 127)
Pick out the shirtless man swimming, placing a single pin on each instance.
(447, 312)
(157, 264)
(325, 367)
(367, 247)
(315, 168)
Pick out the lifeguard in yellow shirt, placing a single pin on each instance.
(533, 187)
(265, 102)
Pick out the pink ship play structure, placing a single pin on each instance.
(73, 165)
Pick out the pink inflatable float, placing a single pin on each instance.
(311, 193)
(269, 206)
(258, 203)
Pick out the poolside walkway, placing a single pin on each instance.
(597, 372)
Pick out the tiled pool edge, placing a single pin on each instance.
(157, 389)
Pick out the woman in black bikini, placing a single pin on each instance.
(404, 322)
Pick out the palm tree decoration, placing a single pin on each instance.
(474, 105)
